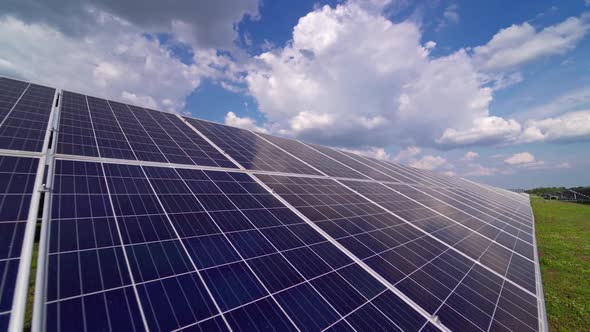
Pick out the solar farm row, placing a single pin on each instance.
(162, 222)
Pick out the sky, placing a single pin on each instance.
(498, 92)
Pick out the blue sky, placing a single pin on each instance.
(496, 91)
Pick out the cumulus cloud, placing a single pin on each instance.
(350, 77)
(116, 62)
(231, 119)
(572, 126)
(429, 162)
(520, 158)
(483, 131)
(522, 43)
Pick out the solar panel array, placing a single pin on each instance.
(158, 222)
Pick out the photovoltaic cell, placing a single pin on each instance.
(251, 151)
(17, 178)
(23, 126)
(458, 290)
(192, 248)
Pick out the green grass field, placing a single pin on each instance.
(563, 240)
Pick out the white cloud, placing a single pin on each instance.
(480, 170)
(407, 153)
(574, 100)
(116, 62)
(520, 158)
(231, 119)
(486, 130)
(373, 152)
(350, 77)
(470, 155)
(522, 43)
(429, 162)
(573, 126)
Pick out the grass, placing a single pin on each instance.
(563, 239)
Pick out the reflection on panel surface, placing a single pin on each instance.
(436, 262)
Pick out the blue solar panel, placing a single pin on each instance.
(184, 247)
(320, 161)
(130, 132)
(444, 266)
(251, 151)
(139, 240)
(17, 178)
(76, 135)
(24, 126)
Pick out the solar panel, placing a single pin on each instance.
(208, 248)
(17, 178)
(445, 267)
(24, 125)
(248, 149)
(342, 157)
(320, 161)
(130, 132)
(161, 222)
